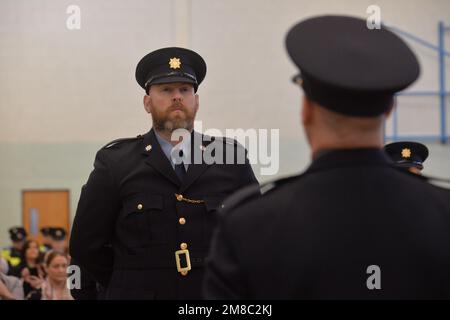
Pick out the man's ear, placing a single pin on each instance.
(147, 103)
(197, 102)
(307, 111)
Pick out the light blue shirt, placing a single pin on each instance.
(167, 148)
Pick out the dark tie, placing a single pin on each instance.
(180, 170)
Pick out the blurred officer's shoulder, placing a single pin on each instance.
(251, 194)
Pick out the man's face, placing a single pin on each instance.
(172, 106)
(46, 239)
(18, 244)
(59, 245)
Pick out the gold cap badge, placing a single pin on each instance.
(406, 153)
(174, 63)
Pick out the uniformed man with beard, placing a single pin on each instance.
(147, 212)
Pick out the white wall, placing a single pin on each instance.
(63, 93)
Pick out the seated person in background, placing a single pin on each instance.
(18, 236)
(10, 287)
(30, 268)
(55, 285)
(58, 239)
(409, 155)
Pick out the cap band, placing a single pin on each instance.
(171, 74)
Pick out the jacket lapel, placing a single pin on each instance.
(156, 158)
(195, 170)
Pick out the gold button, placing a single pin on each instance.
(179, 197)
(184, 273)
(183, 246)
(182, 220)
(140, 206)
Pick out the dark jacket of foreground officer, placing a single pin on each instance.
(352, 226)
(146, 214)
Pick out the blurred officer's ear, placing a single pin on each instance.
(306, 110)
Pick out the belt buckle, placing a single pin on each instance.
(183, 270)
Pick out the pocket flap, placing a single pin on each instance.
(142, 203)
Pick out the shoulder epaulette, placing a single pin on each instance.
(118, 141)
(254, 191)
(226, 140)
(243, 195)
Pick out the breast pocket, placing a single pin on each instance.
(212, 205)
(144, 222)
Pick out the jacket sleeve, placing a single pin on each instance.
(94, 223)
(248, 176)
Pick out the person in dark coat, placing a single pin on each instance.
(353, 225)
(147, 212)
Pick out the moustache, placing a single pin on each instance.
(177, 106)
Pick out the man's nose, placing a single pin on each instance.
(177, 96)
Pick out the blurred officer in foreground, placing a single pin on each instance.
(145, 216)
(408, 155)
(13, 254)
(352, 226)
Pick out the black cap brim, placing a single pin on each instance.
(173, 80)
(348, 68)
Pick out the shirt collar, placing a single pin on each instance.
(167, 148)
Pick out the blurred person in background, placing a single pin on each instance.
(12, 254)
(54, 287)
(10, 287)
(30, 268)
(408, 155)
(58, 241)
(46, 240)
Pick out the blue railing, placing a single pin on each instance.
(441, 92)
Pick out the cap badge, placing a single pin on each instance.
(174, 63)
(406, 153)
